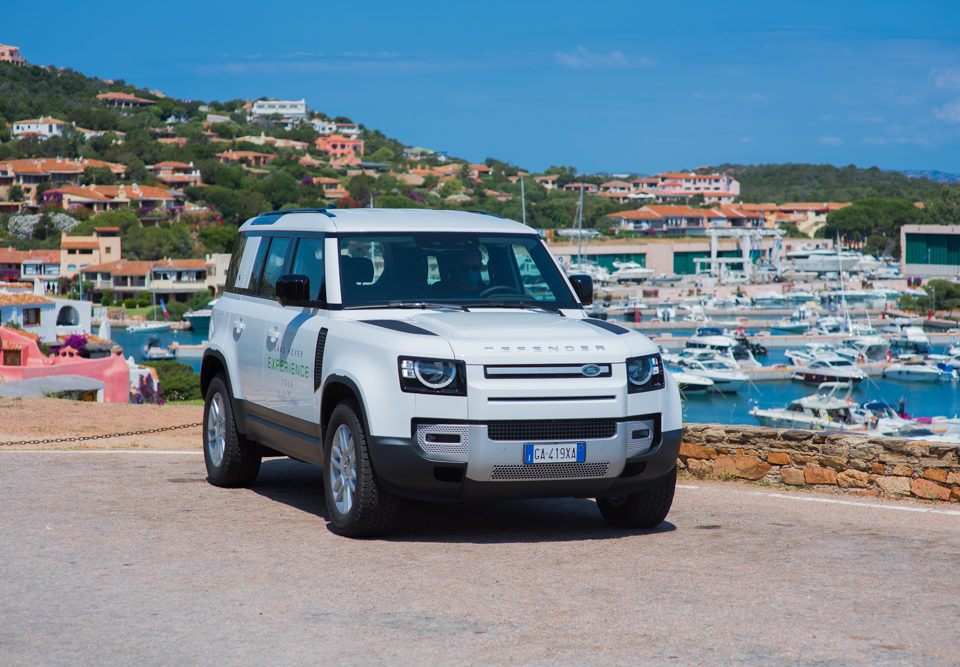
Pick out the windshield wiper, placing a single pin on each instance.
(423, 305)
(518, 304)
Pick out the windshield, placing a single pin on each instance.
(459, 270)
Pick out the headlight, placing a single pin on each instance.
(433, 376)
(644, 373)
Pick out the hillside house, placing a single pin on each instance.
(11, 54)
(176, 174)
(249, 157)
(124, 101)
(79, 252)
(288, 110)
(341, 149)
(43, 128)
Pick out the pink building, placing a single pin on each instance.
(11, 54)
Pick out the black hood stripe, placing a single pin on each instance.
(612, 328)
(400, 325)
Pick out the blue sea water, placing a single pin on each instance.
(922, 399)
(132, 342)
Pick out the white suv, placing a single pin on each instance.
(430, 354)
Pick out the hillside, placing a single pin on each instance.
(782, 183)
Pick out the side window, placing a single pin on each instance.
(273, 266)
(257, 255)
(308, 260)
(238, 247)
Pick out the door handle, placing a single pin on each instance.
(239, 325)
(274, 334)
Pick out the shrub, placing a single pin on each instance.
(178, 381)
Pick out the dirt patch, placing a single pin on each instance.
(23, 420)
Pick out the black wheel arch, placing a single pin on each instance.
(337, 389)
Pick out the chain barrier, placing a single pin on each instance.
(101, 436)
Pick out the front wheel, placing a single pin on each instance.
(356, 503)
(231, 459)
(644, 509)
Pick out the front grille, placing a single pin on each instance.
(549, 471)
(552, 429)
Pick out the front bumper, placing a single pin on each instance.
(445, 460)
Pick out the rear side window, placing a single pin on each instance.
(273, 266)
(308, 261)
(234, 269)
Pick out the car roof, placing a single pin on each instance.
(383, 220)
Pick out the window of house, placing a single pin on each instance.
(31, 317)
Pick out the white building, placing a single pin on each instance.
(288, 109)
(41, 127)
(324, 127)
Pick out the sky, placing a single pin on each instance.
(614, 87)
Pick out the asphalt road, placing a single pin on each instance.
(111, 558)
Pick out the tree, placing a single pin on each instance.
(217, 239)
(873, 217)
(15, 193)
(382, 154)
(361, 188)
(97, 176)
(451, 186)
(944, 209)
(178, 382)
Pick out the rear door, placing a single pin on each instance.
(295, 337)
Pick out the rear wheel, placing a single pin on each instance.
(644, 509)
(231, 459)
(356, 503)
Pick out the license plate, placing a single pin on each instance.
(555, 452)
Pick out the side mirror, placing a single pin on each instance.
(583, 286)
(293, 289)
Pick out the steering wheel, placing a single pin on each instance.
(498, 289)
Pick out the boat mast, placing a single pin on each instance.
(843, 294)
(580, 226)
(523, 203)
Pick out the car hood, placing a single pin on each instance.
(530, 337)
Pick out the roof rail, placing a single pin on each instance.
(479, 212)
(298, 210)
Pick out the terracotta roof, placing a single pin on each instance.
(641, 214)
(12, 285)
(106, 229)
(123, 97)
(170, 165)
(133, 191)
(324, 179)
(78, 242)
(181, 263)
(81, 191)
(22, 299)
(42, 119)
(121, 267)
(13, 256)
(51, 165)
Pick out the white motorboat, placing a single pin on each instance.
(798, 322)
(829, 368)
(598, 273)
(666, 279)
(808, 352)
(864, 348)
(725, 347)
(690, 383)
(822, 260)
(915, 371)
(150, 326)
(911, 340)
(769, 299)
(725, 379)
(820, 411)
(152, 350)
(630, 272)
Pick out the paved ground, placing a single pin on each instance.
(111, 557)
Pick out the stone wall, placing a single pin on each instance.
(862, 464)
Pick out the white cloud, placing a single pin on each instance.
(581, 58)
(875, 141)
(829, 141)
(949, 112)
(947, 78)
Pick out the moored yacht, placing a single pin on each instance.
(829, 368)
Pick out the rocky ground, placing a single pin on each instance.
(25, 420)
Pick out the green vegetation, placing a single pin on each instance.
(178, 382)
(782, 183)
(874, 222)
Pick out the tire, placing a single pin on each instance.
(232, 460)
(644, 509)
(356, 503)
